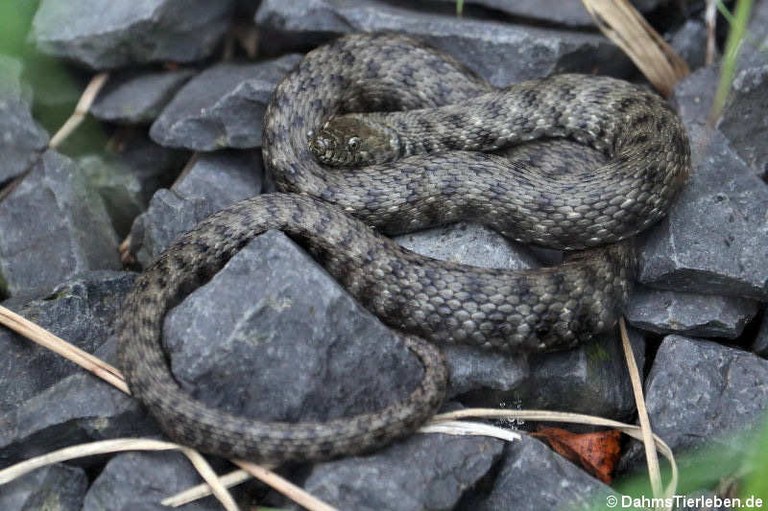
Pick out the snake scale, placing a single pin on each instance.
(450, 115)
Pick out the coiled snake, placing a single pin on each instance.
(329, 211)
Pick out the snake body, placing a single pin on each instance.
(435, 175)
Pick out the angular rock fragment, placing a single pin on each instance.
(715, 238)
(533, 477)
(141, 480)
(760, 346)
(138, 97)
(221, 107)
(499, 52)
(53, 226)
(213, 182)
(299, 348)
(22, 141)
(665, 312)
(128, 31)
(55, 487)
(701, 393)
(426, 471)
(82, 311)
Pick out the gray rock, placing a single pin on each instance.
(221, 107)
(299, 348)
(477, 373)
(141, 480)
(760, 345)
(429, 471)
(499, 52)
(213, 182)
(668, 312)
(701, 393)
(75, 236)
(690, 41)
(745, 118)
(469, 244)
(80, 408)
(138, 97)
(129, 31)
(81, 311)
(533, 477)
(694, 94)
(55, 487)
(22, 141)
(715, 238)
(589, 379)
(128, 175)
(568, 13)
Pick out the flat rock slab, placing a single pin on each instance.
(55, 488)
(82, 311)
(213, 182)
(80, 408)
(701, 393)
(141, 480)
(221, 107)
(138, 97)
(129, 32)
(744, 120)
(533, 477)
(299, 348)
(715, 238)
(426, 471)
(499, 52)
(562, 12)
(22, 141)
(470, 244)
(75, 233)
(669, 312)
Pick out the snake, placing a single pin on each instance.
(373, 135)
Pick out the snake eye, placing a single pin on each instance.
(353, 143)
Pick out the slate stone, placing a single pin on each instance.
(23, 140)
(590, 379)
(760, 346)
(53, 226)
(700, 393)
(299, 348)
(129, 32)
(690, 42)
(80, 408)
(141, 480)
(55, 487)
(499, 52)
(471, 244)
(221, 107)
(126, 176)
(567, 13)
(533, 477)
(426, 471)
(715, 238)
(138, 97)
(213, 182)
(81, 311)
(669, 312)
(480, 372)
(694, 94)
(744, 119)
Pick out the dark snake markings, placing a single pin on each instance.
(557, 202)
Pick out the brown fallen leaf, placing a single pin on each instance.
(596, 452)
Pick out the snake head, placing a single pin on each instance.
(353, 141)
